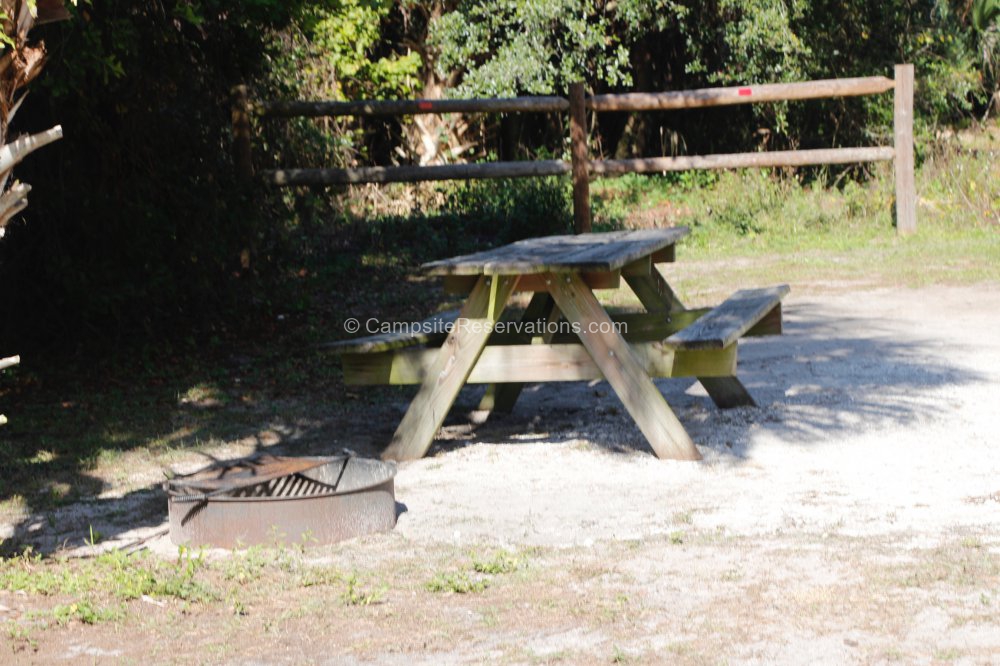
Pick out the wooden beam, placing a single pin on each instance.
(653, 292)
(502, 364)
(622, 369)
(906, 189)
(463, 284)
(727, 392)
(777, 158)
(413, 174)
(665, 256)
(749, 94)
(412, 107)
(642, 266)
(450, 369)
(581, 157)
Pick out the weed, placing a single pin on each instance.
(502, 562)
(355, 595)
(86, 612)
(246, 567)
(619, 656)
(315, 576)
(458, 582)
(239, 608)
(947, 654)
(683, 517)
(126, 576)
(677, 537)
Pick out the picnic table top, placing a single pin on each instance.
(585, 252)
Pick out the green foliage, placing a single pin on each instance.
(139, 230)
(502, 562)
(85, 611)
(457, 582)
(510, 47)
(985, 14)
(355, 594)
(344, 35)
(509, 209)
(125, 576)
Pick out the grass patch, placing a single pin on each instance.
(457, 582)
(756, 226)
(115, 573)
(501, 562)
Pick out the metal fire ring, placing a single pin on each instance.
(267, 499)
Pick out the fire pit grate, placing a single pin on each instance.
(265, 498)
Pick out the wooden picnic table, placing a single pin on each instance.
(565, 334)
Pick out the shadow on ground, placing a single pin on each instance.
(827, 377)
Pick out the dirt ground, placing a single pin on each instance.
(851, 518)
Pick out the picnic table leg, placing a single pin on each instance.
(641, 398)
(654, 293)
(451, 368)
(501, 397)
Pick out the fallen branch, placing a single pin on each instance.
(13, 201)
(17, 150)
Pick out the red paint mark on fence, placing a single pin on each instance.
(744, 92)
(424, 106)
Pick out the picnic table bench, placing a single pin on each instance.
(564, 334)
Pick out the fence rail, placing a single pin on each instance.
(581, 167)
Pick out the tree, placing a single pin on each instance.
(21, 62)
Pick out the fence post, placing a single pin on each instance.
(906, 190)
(581, 158)
(241, 134)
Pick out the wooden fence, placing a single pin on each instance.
(581, 166)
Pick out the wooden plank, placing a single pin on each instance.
(414, 174)
(593, 279)
(556, 362)
(665, 256)
(769, 324)
(643, 266)
(412, 107)
(906, 189)
(774, 158)
(653, 292)
(749, 94)
(623, 371)
(451, 367)
(727, 392)
(432, 330)
(724, 325)
(585, 252)
(463, 284)
(580, 158)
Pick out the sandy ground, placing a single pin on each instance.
(851, 518)
(878, 415)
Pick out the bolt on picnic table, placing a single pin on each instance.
(667, 340)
